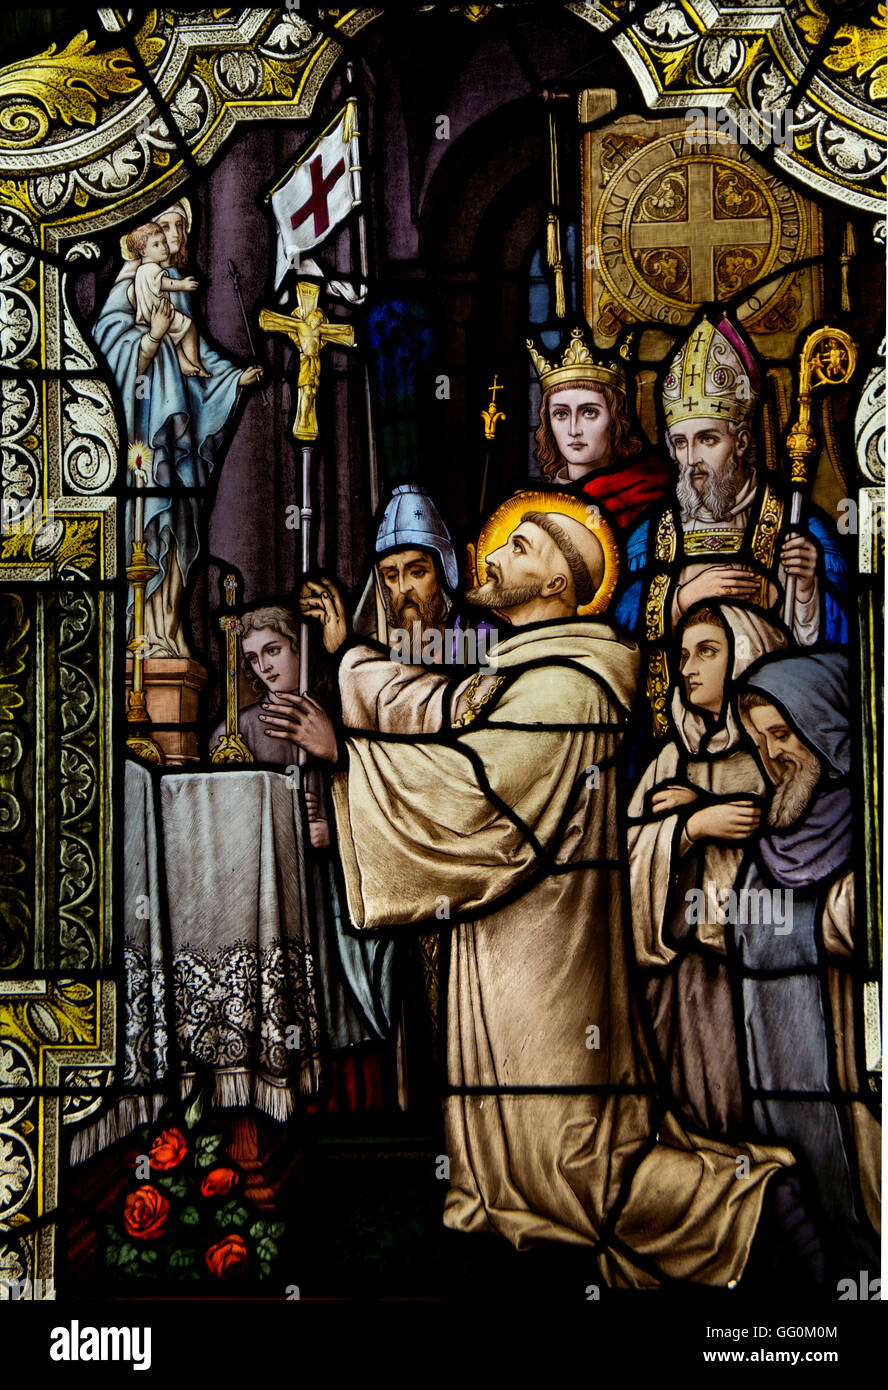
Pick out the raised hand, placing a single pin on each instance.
(300, 719)
(323, 602)
(188, 283)
(728, 820)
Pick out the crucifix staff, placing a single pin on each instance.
(828, 358)
(309, 329)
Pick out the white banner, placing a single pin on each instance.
(319, 192)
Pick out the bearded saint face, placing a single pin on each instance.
(519, 570)
(711, 467)
(790, 764)
(411, 590)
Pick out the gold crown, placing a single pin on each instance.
(579, 364)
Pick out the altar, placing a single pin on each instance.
(218, 962)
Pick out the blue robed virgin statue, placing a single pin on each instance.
(144, 329)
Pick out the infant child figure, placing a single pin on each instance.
(150, 285)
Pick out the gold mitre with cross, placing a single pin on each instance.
(712, 376)
(580, 365)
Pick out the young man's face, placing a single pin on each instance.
(271, 657)
(411, 584)
(581, 423)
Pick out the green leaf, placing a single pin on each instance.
(177, 1187)
(149, 1257)
(264, 1268)
(128, 1254)
(206, 1149)
(112, 1254)
(266, 1248)
(231, 1215)
(196, 1108)
(113, 1236)
(182, 1259)
(190, 1216)
(267, 1228)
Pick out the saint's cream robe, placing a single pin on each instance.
(501, 823)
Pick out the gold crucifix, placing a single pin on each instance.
(310, 330)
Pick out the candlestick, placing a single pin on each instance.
(231, 747)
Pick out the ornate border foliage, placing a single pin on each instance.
(91, 136)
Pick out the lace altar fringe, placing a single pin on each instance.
(242, 1089)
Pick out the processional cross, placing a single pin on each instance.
(309, 330)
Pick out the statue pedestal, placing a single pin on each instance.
(172, 689)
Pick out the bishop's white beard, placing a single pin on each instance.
(793, 792)
(717, 496)
(502, 596)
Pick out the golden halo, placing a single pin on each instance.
(501, 523)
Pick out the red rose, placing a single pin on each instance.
(168, 1149)
(229, 1257)
(145, 1213)
(218, 1182)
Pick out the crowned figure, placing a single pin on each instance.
(587, 441)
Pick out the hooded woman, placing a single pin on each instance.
(690, 818)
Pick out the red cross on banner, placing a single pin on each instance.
(316, 205)
(319, 192)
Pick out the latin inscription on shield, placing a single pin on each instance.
(673, 219)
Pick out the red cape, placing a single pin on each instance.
(627, 492)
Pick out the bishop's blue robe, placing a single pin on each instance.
(834, 571)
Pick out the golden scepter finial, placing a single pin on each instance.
(828, 358)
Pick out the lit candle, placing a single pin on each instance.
(139, 460)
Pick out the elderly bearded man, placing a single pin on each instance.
(726, 535)
(800, 1000)
(501, 813)
(408, 603)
